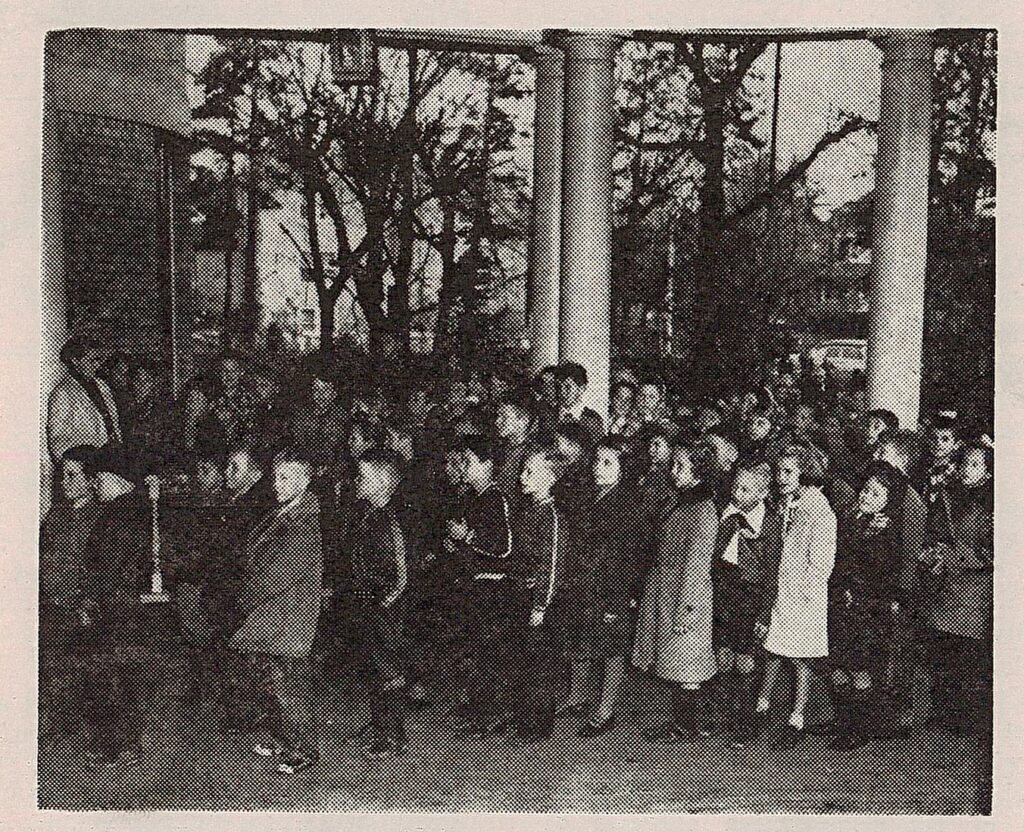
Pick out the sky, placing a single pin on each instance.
(818, 80)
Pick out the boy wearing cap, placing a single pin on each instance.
(116, 572)
(376, 549)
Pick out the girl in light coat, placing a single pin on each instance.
(797, 629)
(674, 627)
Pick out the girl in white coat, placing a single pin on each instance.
(798, 626)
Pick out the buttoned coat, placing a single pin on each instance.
(674, 628)
(281, 595)
(799, 619)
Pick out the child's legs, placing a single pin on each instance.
(382, 642)
(771, 675)
(291, 685)
(535, 699)
(611, 687)
(802, 688)
(581, 679)
(685, 700)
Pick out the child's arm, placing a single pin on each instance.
(396, 542)
(489, 532)
(546, 570)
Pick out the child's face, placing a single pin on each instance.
(682, 469)
(787, 475)
(537, 477)
(291, 479)
(238, 471)
(726, 453)
(943, 443)
(400, 443)
(758, 428)
(358, 444)
(607, 467)
(748, 489)
(477, 471)
(373, 484)
(109, 486)
(323, 393)
(659, 451)
(873, 497)
(359, 407)
(973, 468)
(875, 428)
(650, 398)
(569, 392)
(419, 403)
(509, 422)
(803, 419)
(74, 482)
(567, 449)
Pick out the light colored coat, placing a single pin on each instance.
(283, 584)
(799, 619)
(72, 418)
(674, 628)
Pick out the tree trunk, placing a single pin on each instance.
(370, 281)
(326, 296)
(967, 169)
(250, 290)
(402, 269)
(712, 212)
(449, 277)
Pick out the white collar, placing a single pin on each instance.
(755, 517)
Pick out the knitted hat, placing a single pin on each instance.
(117, 459)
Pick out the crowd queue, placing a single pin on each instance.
(490, 546)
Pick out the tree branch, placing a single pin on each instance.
(798, 169)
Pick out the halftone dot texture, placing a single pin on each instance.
(116, 208)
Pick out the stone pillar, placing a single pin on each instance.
(900, 228)
(547, 209)
(585, 302)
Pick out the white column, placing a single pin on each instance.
(585, 300)
(547, 209)
(900, 228)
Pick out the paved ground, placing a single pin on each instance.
(187, 765)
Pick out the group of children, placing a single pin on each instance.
(501, 543)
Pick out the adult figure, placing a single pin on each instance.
(81, 409)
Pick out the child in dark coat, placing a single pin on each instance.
(379, 578)
(482, 540)
(609, 562)
(957, 607)
(540, 550)
(864, 596)
(674, 627)
(744, 574)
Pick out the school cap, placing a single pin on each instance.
(119, 460)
